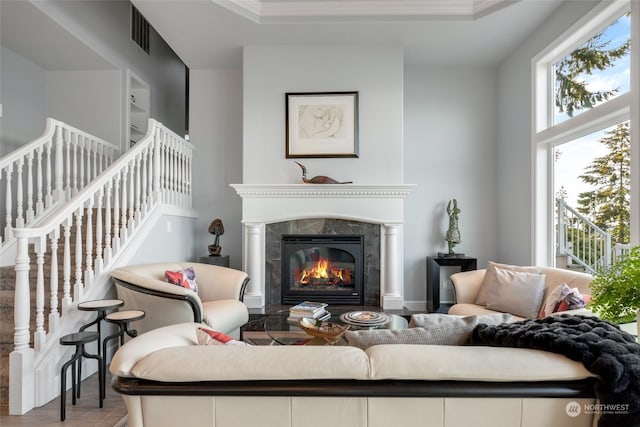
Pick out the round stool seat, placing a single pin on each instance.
(124, 316)
(100, 304)
(79, 338)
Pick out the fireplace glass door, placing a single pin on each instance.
(324, 268)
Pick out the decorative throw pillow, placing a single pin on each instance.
(517, 293)
(185, 278)
(454, 331)
(483, 293)
(211, 337)
(563, 298)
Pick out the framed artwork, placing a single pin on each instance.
(322, 124)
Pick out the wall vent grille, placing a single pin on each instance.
(139, 29)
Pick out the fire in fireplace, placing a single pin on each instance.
(327, 268)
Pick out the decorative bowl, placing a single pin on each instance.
(330, 332)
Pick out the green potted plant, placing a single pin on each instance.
(615, 293)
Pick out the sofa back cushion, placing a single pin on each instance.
(518, 293)
(487, 281)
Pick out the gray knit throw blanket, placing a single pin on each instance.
(601, 346)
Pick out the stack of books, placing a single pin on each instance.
(310, 309)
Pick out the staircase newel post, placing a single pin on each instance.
(561, 234)
(58, 157)
(156, 165)
(22, 358)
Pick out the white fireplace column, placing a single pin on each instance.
(254, 263)
(391, 268)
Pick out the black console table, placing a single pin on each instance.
(433, 275)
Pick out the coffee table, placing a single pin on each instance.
(285, 332)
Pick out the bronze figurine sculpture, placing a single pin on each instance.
(320, 179)
(453, 234)
(216, 228)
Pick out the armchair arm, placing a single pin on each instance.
(466, 285)
(163, 303)
(216, 282)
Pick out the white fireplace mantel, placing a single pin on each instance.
(379, 204)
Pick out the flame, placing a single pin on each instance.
(323, 271)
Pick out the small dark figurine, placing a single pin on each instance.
(216, 228)
(320, 179)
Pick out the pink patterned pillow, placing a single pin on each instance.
(211, 337)
(185, 278)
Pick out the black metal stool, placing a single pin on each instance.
(122, 319)
(101, 306)
(79, 339)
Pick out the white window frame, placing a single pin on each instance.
(546, 135)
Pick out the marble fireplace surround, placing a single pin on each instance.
(264, 204)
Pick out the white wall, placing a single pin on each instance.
(23, 99)
(450, 145)
(88, 100)
(376, 72)
(216, 132)
(514, 154)
(168, 241)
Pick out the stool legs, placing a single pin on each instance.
(78, 340)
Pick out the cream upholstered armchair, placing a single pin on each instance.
(218, 301)
(473, 290)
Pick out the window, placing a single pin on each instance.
(583, 93)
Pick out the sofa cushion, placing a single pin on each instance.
(439, 329)
(487, 281)
(185, 278)
(517, 293)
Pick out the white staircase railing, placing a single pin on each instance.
(157, 170)
(48, 170)
(581, 240)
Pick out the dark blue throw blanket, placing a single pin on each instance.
(601, 346)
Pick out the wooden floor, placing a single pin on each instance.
(85, 413)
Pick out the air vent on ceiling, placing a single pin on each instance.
(139, 29)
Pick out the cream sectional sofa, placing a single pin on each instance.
(218, 301)
(167, 379)
(468, 284)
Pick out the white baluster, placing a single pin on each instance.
(39, 198)
(138, 198)
(123, 220)
(145, 155)
(99, 263)
(89, 155)
(156, 169)
(40, 335)
(94, 146)
(19, 194)
(116, 213)
(48, 197)
(8, 228)
(74, 172)
(30, 213)
(58, 187)
(81, 157)
(54, 314)
(107, 224)
(67, 187)
(66, 265)
(78, 287)
(88, 272)
(131, 205)
(22, 303)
